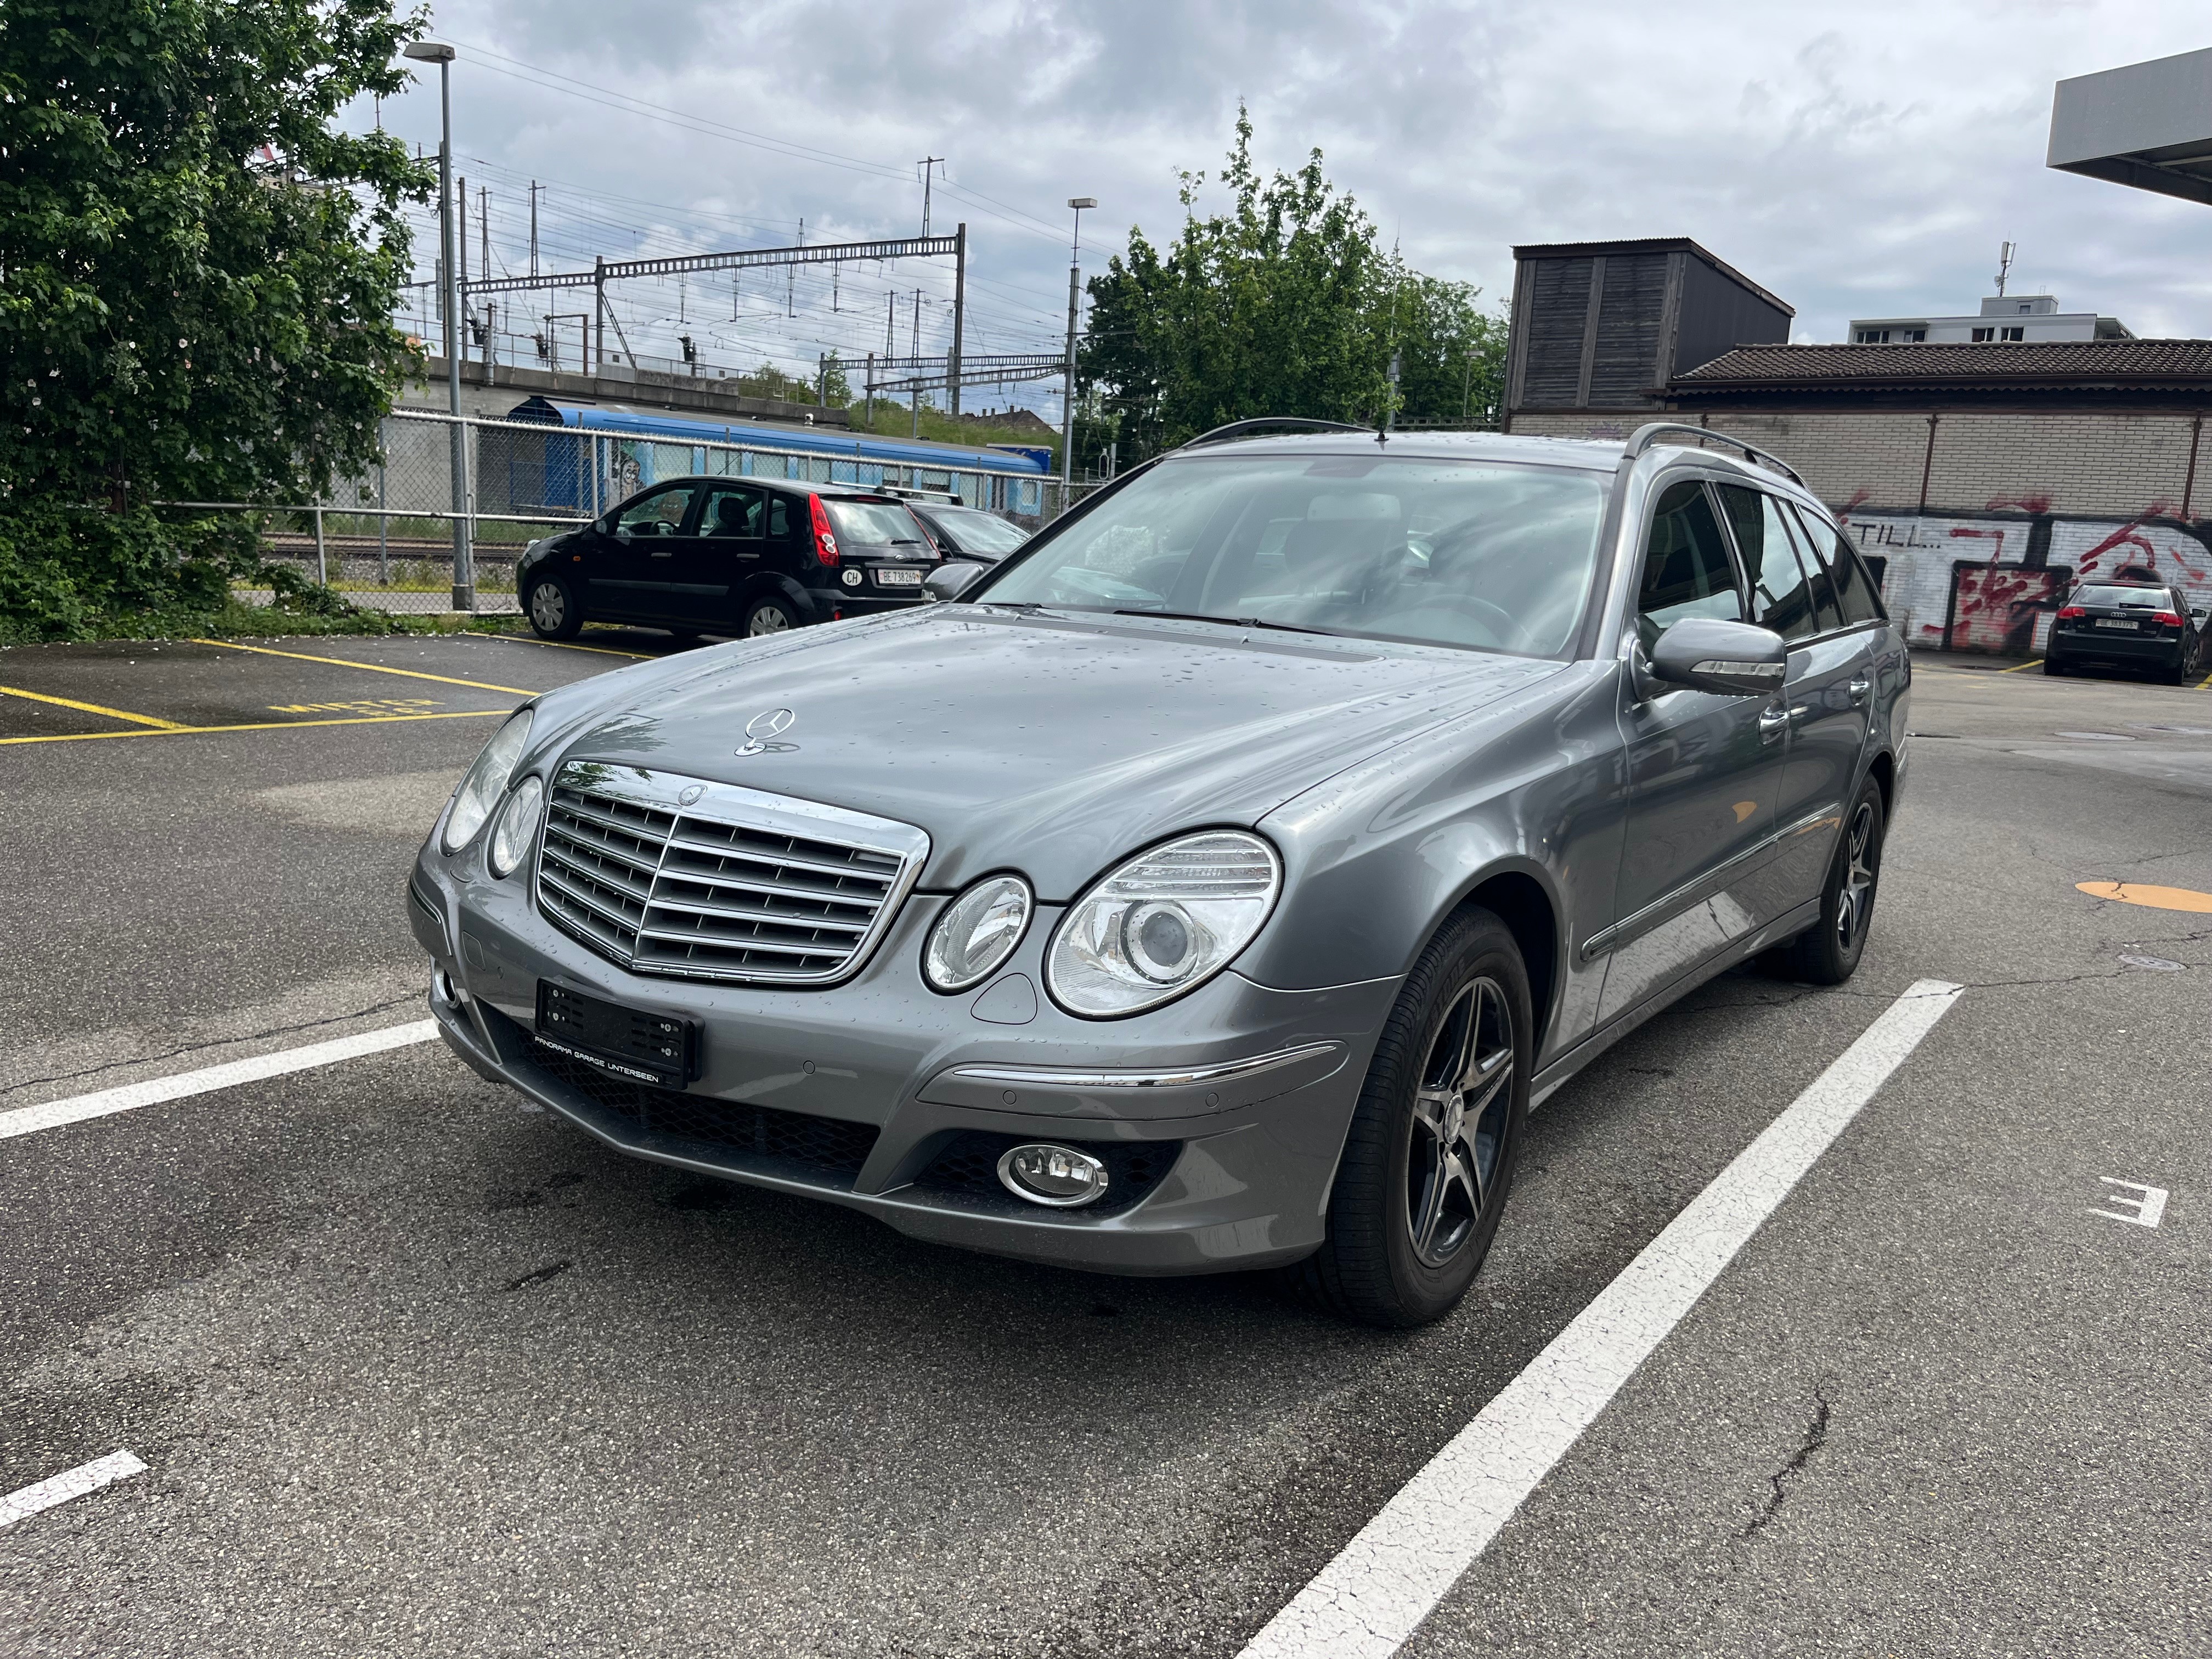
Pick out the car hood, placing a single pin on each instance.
(1053, 744)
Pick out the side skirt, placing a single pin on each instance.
(1549, 1079)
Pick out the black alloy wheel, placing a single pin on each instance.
(554, 613)
(1460, 1114)
(1430, 1154)
(1827, 952)
(772, 614)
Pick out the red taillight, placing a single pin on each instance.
(825, 539)
(2071, 612)
(2168, 619)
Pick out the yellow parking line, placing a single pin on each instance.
(604, 651)
(2031, 662)
(267, 726)
(2204, 683)
(93, 708)
(371, 667)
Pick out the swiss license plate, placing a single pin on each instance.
(645, 1048)
(898, 577)
(2116, 621)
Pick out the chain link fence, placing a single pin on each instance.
(387, 542)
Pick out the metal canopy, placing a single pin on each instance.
(2146, 125)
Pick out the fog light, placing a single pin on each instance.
(1058, 1175)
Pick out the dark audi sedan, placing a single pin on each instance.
(1215, 883)
(2127, 625)
(729, 556)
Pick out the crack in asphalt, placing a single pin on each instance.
(534, 1276)
(216, 1043)
(1816, 1436)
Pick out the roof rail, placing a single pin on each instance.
(1222, 434)
(1647, 434)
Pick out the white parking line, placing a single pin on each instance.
(29, 1119)
(1366, 1602)
(72, 1483)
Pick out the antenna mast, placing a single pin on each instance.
(2004, 265)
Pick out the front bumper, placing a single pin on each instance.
(867, 1093)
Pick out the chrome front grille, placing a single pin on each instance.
(694, 880)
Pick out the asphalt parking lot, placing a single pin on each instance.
(413, 1369)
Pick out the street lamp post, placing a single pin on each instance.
(1067, 401)
(465, 576)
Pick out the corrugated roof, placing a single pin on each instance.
(2120, 364)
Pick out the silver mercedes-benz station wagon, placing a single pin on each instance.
(1212, 885)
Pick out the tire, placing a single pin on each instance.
(1827, 952)
(1428, 1160)
(2050, 665)
(553, 610)
(771, 613)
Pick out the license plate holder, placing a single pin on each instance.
(635, 1043)
(2116, 621)
(898, 577)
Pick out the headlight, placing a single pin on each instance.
(486, 782)
(518, 821)
(1164, 923)
(976, 933)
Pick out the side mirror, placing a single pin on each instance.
(1731, 659)
(951, 580)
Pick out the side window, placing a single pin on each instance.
(660, 513)
(1855, 591)
(1816, 570)
(779, 516)
(1686, 571)
(1781, 597)
(736, 512)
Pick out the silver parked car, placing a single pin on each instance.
(1214, 883)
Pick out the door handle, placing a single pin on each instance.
(1773, 722)
(664, 552)
(1861, 688)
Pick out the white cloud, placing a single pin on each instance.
(1858, 163)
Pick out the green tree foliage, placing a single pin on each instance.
(198, 273)
(1285, 303)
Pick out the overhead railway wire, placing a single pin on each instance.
(590, 92)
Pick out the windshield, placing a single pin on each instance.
(1480, 554)
(2151, 598)
(873, 523)
(980, 531)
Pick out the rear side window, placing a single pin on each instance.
(1854, 588)
(1686, 571)
(1781, 595)
(874, 524)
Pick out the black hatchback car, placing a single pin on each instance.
(729, 556)
(2125, 625)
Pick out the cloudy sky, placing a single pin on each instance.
(1864, 160)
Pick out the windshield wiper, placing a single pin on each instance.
(1229, 622)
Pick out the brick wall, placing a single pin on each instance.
(2089, 462)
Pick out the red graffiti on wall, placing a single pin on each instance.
(1994, 607)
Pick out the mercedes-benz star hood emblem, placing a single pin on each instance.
(762, 729)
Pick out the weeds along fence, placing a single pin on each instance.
(388, 541)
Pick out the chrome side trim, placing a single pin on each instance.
(1229, 1070)
(1668, 906)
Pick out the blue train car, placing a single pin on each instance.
(614, 452)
